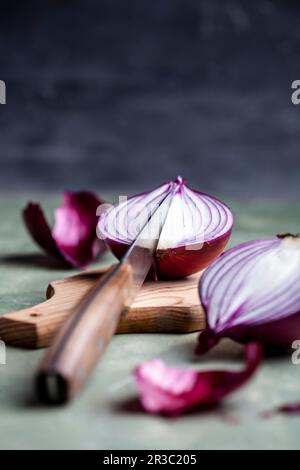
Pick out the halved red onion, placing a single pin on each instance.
(195, 232)
(73, 238)
(252, 293)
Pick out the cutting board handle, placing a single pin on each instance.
(35, 327)
(164, 307)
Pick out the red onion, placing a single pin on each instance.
(196, 231)
(252, 293)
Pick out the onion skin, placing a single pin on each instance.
(175, 263)
(72, 239)
(280, 333)
(181, 260)
(172, 391)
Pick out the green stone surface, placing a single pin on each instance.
(105, 416)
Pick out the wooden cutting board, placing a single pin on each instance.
(160, 307)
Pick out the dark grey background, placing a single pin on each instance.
(121, 94)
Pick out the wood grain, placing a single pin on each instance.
(165, 307)
(84, 337)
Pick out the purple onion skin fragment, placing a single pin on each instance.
(37, 226)
(171, 391)
(251, 293)
(287, 409)
(73, 238)
(196, 232)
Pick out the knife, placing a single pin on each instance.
(83, 339)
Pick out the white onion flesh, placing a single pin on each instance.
(253, 284)
(193, 217)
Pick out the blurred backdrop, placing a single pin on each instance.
(123, 94)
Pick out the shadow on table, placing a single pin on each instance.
(223, 411)
(224, 354)
(34, 260)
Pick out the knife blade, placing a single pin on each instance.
(84, 337)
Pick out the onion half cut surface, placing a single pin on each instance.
(252, 293)
(196, 231)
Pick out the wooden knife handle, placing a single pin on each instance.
(83, 338)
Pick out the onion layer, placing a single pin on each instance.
(195, 232)
(73, 238)
(252, 293)
(172, 391)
